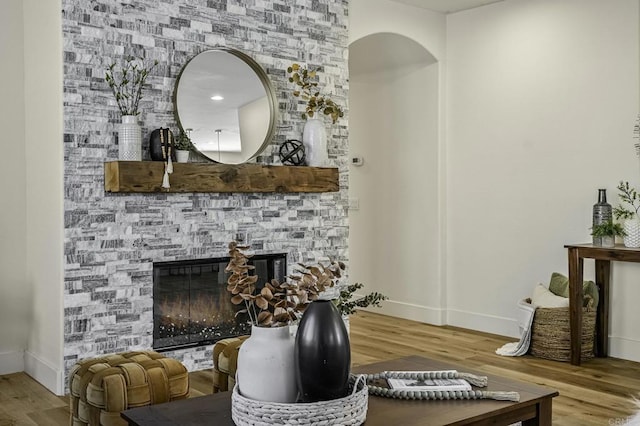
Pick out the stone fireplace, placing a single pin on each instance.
(112, 241)
(191, 304)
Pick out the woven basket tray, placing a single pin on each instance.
(551, 336)
(350, 410)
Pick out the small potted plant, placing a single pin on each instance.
(183, 147)
(608, 231)
(629, 196)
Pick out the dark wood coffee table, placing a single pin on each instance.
(534, 407)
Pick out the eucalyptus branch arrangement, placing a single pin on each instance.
(347, 306)
(273, 305)
(308, 91)
(276, 304)
(126, 83)
(311, 281)
(628, 195)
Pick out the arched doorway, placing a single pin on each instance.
(394, 241)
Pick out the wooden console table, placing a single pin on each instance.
(603, 257)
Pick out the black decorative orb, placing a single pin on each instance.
(292, 152)
(322, 353)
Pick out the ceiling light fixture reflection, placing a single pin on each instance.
(217, 98)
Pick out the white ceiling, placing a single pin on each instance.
(447, 6)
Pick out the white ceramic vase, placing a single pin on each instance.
(129, 139)
(266, 365)
(314, 138)
(632, 229)
(182, 156)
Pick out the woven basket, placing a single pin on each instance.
(551, 336)
(350, 410)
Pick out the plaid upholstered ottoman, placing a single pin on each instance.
(103, 387)
(225, 363)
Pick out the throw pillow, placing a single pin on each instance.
(543, 298)
(559, 285)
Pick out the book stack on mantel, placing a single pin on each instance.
(428, 384)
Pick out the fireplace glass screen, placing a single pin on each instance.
(191, 304)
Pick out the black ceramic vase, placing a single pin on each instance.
(322, 353)
(161, 143)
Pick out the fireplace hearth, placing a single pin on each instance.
(191, 304)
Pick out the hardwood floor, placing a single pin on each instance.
(599, 392)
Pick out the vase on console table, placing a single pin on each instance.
(130, 139)
(602, 212)
(265, 365)
(632, 233)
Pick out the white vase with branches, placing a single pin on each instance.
(126, 83)
(318, 106)
(628, 195)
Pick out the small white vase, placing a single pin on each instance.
(632, 229)
(130, 139)
(266, 365)
(314, 138)
(182, 156)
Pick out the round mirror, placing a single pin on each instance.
(226, 104)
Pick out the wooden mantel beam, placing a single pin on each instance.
(146, 176)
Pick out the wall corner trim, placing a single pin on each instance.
(44, 373)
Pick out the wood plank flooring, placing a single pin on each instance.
(599, 392)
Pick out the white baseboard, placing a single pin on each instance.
(411, 311)
(624, 348)
(480, 322)
(619, 347)
(11, 362)
(44, 373)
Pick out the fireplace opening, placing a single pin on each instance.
(191, 304)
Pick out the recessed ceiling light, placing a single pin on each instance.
(216, 98)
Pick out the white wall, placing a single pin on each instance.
(44, 152)
(427, 28)
(542, 98)
(395, 236)
(14, 291)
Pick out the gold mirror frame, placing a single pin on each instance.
(271, 101)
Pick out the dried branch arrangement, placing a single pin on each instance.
(276, 304)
